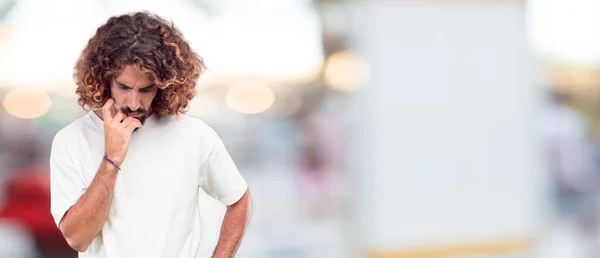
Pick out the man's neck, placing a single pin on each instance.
(99, 114)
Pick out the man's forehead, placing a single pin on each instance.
(131, 77)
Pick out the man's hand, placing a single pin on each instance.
(117, 132)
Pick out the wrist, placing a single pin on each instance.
(114, 157)
(116, 163)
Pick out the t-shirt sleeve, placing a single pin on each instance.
(66, 182)
(221, 178)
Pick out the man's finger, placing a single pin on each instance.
(128, 120)
(106, 115)
(118, 117)
(133, 124)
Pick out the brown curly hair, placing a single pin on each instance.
(152, 45)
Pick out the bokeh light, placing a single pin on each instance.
(250, 97)
(27, 104)
(346, 71)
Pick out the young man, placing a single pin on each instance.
(125, 177)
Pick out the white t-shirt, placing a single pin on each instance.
(155, 210)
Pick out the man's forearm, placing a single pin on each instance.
(234, 226)
(86, 217)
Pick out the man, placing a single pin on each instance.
(125, 177)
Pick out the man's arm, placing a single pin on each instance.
(84, 220)
(234, 226)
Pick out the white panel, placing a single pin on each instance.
(450, 144)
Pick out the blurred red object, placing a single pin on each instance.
(28, 202)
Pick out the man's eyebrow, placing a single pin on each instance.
(129, 87)
(123, 85)
(148, 87)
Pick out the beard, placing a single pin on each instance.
(140, 114)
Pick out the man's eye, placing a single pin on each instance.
(146, 90)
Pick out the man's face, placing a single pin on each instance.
(133, 92)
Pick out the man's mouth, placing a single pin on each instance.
(139, 116)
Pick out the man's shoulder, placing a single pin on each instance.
(197, 128)
(72, 129)
(194, 124)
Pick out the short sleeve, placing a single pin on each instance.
(66, 182)
(221, 179)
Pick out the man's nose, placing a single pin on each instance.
(134, 101)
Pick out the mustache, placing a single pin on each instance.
(128, 111)
(141, 113)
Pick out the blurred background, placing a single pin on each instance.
(381, 128)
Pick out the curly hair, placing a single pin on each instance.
(153, 46)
